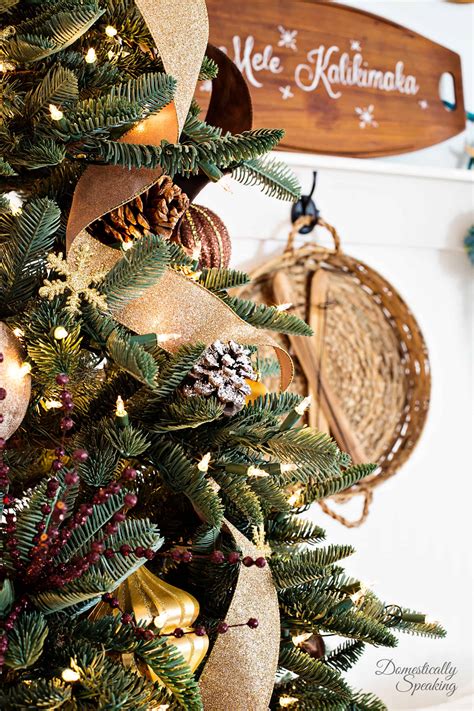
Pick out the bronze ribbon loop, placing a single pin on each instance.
(240, 670)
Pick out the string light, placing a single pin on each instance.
(288, 701)
(303, 406)
(91, 56)
(56, 114)
(110, 31)
(160, 620)
(60, 333)
(255, 471)
(290, 467)
(295, 497)
(298, 412)
(15, 202)
(52, 404)
(120, 412)
(70, 676)
(110, 54)
(283, 307)
(126, 246)
(203, 465)
(18, 332)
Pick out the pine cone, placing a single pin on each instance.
(156, 211)
(222, 372)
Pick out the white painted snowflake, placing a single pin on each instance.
(206, 86)
(286, 92)
(366, 116)
(423, 104)
(355, 45)
(287, 38)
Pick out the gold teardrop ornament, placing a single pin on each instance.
(151, 600)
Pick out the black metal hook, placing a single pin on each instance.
(306, 207)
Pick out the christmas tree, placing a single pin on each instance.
(144, 468)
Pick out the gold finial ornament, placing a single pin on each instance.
(151, 600)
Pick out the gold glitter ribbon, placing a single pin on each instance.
(240, 671)
(180, 308)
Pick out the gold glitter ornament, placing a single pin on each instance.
(151, 600)
(203, 234)
(258, 389)
(15, 383)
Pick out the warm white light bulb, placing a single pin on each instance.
(15, 202)
(56, 114)
(283, 307)
(203, 465)
(91, 56)
(300, 638)
(60, 333)
(52, 404)
(120, 407)
(70, 675)
(303, 406)
(294, 498)
(110, 31)
(255, 471)
(290, 467)
(288, 701)
(18, 332)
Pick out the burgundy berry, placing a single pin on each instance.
(149, 554)
(109, 553)
(97, 547)
(56, 465)
(148, 635)
(62, 379)
(200, 631)
(2, 442)
(118, 517)
(253, 623)
(3, 393)
(125, 549)
(222, 627)
(127, 618)
(46, 509)
(248, 561)
(261, 562)
(59, 452)
(176, 555)
(67, 423)
(217, 557)
(71, 479)
(80, 455)
(178, 633)
(114, 603)
(129, 474)
(130, 500)
(233, 557)
(114, 487)
(187, 557)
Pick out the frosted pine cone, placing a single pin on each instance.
(222, 372)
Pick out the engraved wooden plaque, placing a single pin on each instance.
(339, 80)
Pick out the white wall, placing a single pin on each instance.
(408, 224)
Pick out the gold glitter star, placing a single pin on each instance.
(78, 281)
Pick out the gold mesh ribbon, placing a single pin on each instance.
(239, 673)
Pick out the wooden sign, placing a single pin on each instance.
(339, 80)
